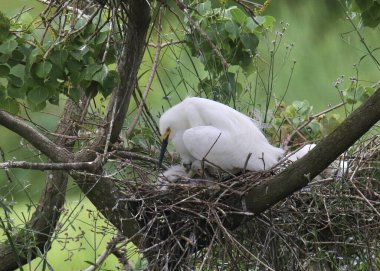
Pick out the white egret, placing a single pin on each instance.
(204, 129)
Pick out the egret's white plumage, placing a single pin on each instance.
(301, 152)
(200, 128)
(336, 169)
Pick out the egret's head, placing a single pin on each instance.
(173, 121)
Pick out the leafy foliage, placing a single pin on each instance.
(235, 34)
(37, 70)
(369, 11)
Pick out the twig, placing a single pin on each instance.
(103, 256)
(311, 118)
(108, 138)
(80, 12)
(51, 166)
(163, 45)
(360, 192)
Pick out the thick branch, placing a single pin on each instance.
(103, 192)
(131, 56)
(296, 176)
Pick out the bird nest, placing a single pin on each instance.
(197, 224)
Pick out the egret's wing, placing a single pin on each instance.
(210, 143)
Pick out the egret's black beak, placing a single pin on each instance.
(164, 145)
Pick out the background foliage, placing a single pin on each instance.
(325, 47)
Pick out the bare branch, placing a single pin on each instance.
(39, 141)
(51, 166)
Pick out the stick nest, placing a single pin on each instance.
(204, 225)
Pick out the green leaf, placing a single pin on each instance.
(26, 19)
(36, 107)
(371, 17)
(18, 55)
(101, 37)
(100, 75)
(329, 124)
(38, 95)
(54, 98)
(204, 8)
(269, 21)
(16, 75)
(4, 27)
(250, 41)
(251, 25)
(364, 4)
(229, 86)
(59, 57)
(16, 92)
(232, 29)
(8, 46)
(10, 105)
(35, 56)
(43, 69)
(367, 92)
(91, 70)
(2, 92)
(78, 54)
(4, 70)
(112, 80)
(238, 15)
(74, 93)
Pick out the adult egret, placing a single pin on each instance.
(204, 129)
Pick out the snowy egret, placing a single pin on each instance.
(204, 129)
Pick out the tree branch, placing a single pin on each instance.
(39, 141)
(270, 191)
(131, 56)
(51, 166)
(45, 218)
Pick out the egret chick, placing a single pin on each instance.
(204, 129)
(171, 175)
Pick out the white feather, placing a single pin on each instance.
(202, 128)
